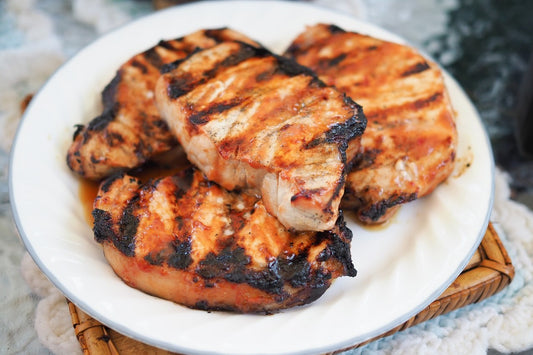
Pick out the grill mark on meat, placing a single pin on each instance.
(106, 184)
(410, 135)
(383, 112)
(365, 159)
(168, 67)
(335, 29)
(292, 68)
(415, 69)
(182, 85)
(421, 103)
(102, 121)
(110, 91)
(377, 210)
(251, 104)
(245, 52)
(348, 130)
(140, 66)
(103, 226)
(78, 129)
(125, 241)
(181, 257)
(339, 248)
(332, 62)
(202, 117)
(217, 34)
(169, 44)
(153, 57)
(298, 268)
(97, 150)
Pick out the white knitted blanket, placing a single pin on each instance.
(503, 322)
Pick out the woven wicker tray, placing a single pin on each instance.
(488, 272)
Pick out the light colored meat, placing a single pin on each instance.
(130, 131)
(186, 239)
(255, 121)
(409, 144)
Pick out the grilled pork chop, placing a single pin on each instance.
(409, 144)
(186, 239)
(256, 121)
(130, 130)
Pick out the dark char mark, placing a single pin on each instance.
(110, 91)
(125, 241)
(335, 29)
(229, 263)
(204, 305)
(176, 255)
(342, 133)
(181, 258)
(168, 67)
(110, 105)
(291, 68)
(99, 123)
(140, 66)
(180, 85)
(295, 270)
(168, 44)
(417, 68)
(202, 117)
(339, 246)
(427, 101)
(78, 129)
(183, 181)
(245, 52)
(216, 34)
(375, 211)
(103, 226)
(364, 159)
(332, 62)
(153, 57)
(107, 183)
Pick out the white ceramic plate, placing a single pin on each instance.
(402, 267)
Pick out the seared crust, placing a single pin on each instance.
(130, 130)
(409, 144)
(186, 239)
(252, 120)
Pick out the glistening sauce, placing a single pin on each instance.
(88, 189)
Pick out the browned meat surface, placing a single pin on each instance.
(409, 144)
(186, 239)
(255, 121)
(130, 130)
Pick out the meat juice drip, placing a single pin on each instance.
(88, 189)
(87, 192)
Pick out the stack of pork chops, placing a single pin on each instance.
(277, 145)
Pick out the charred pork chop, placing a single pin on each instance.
(256, 121)
(409, 144)
(130, 130)
(186, 239)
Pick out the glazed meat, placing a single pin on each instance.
(259, 122)
(130, 130)
(409, 144)
(186, 239)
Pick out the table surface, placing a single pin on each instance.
(485, 45)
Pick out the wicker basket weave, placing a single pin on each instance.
(488, 272)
